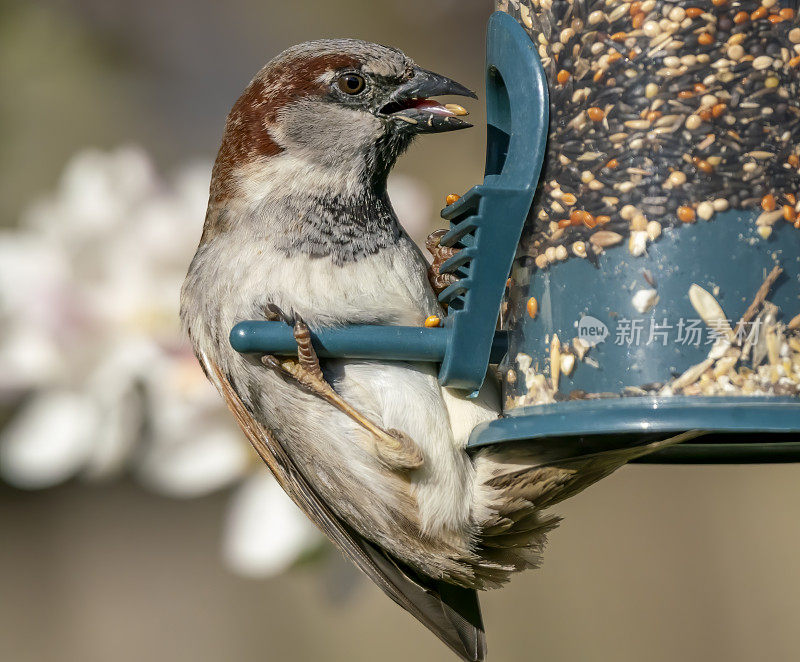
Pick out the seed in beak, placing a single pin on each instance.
(456, 109)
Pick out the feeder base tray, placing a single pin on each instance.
(740, 429)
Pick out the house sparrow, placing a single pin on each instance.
(299, 227)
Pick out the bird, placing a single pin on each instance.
(299, 228)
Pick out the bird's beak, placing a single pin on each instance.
(411, 104)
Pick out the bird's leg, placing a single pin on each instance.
(393, 447)
(439, 281)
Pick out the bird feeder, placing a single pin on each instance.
(619, 327)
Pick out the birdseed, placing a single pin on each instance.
(658, 101)
(663, 115)
(738, 364)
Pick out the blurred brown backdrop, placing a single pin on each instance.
(655, 563)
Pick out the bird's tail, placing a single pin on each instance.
(451, 612)
(516, 482)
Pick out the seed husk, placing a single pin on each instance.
(690, 376)
(709, 310)
(605, 238)
(555, 361)
(769, 217)
(456, 109)
(762, 62)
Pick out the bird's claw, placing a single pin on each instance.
(439, 281)
(274, 313)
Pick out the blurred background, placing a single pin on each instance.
(135, 522)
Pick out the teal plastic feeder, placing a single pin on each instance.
(587, 360)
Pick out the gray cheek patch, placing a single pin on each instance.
(328, 132)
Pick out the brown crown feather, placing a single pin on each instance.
(247, 130)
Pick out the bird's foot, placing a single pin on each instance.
(439, 281)
(394, 449)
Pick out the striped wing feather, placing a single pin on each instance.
(452, 613)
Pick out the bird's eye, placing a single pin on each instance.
(351, 83)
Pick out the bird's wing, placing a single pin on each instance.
(450, 612)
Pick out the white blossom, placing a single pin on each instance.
(258, 509)
(90, 345)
